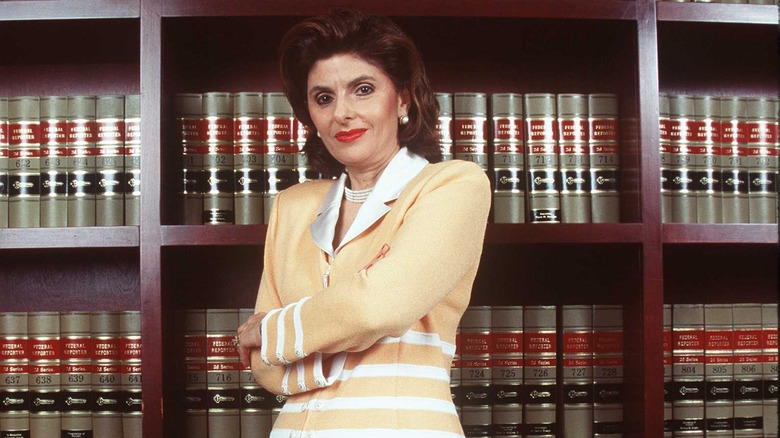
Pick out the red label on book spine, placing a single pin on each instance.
(542, 130)
(719, 359)
(540, 362)
(764, 151)
(471, 362)
(608, 343)
(747, 339)
(195, 346)
(508, 148)
(475, 343)
(81, 131)
(247, 149)
(536, 342)
(615, 361)
(665, 129)
(110, 131)
(13, 349)
(3, 133)
(719, 339)
(301, 131)
(508, 129)
(220, 149)
(131, 369)
(689, 358)
(706, 131)
(733, 132)
(224, 366)
(221, 346)
(106, 368)
(130, 348)
(573, 130)
(45, 369)
(770, 358)
(688, 339)
(24, 133)
(280, 148)
(573, 149)
(76, 348)
(24, 153)
(507, 362)
(747, 358)
(543, 149)
(761, 132)
(14, 369)
(576, 343)
(248, 130)
(577, 362)
(471, 129)
(76, 368)
(195, 367)
(110, 151)
(191, 130)
(44, 349)
(131, 151)
(82, 152)
(218, 130)
(770, 338)
(54, 132)
(507, 343)
(106, 349)
(444, 129)
(279, 129)
(667, 341)
(606, 130)
(132, 130)
(681, 130)
(478, 148)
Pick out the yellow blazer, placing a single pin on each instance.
(366, 351)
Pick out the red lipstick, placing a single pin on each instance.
(350, 136)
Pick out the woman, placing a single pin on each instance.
(366, 277)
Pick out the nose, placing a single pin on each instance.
(343, 111)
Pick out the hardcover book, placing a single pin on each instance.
(218, 159)
(688, 369)
(3, 162)
(45, 374)
(608, 371)
(76, 378)
(132, 152)
(190, 128)
(719, 369)
(706, 165)
(280, 150)
(762, 144)
(110, 161)
(577, 378)
(223, 373)
(444, 126)
(506, 335)
(82, 161)
(475, 357)
(106, 375)
(574, 158)
(681, 110)
(540, 365)
(249, 129)
(604, 157)
(508, 159)
(771, 386)
(541, 135)
(130, 355)
(54, 161)
(734, 160)
(748, 370)
(256, 402)
(14, 375)
(24, 163)
(667, 157)
(471, 131)
(667, 360)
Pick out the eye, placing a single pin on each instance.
(323, 99)
(364, 89)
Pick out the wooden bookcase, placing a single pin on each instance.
(161, 47)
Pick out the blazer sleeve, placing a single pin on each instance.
(437, 245)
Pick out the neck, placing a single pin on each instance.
(361, 178)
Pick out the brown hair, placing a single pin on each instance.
(376, 40)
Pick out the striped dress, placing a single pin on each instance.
(364, 349)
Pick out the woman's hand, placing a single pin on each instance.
(248, 335)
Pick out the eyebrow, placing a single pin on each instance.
(362, 78)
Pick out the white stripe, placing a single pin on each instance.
(363, 433)
(285, 386)
(301, 376)
(280, 334)
(397, 370)
(264, 336)
(420, 338)
(337, 368)
(360, 403)
(299, 329)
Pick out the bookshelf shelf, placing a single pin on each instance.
(563, 233)
(739, 234)
(25, 10)
(223, 235)
(717, 13)
(83, 237)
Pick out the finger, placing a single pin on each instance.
(243, 354)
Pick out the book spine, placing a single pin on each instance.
(471, 130)
(14, 376)
(24, 162)
(608, 371)
(748, 370)
(248, 132)
(45, 374)
(574, 158)
(130, 355)
(82, 161)
(132, 160)
(604, 144)
(577, 378)
(735, 170)
(301, 162)
(218, 159)
(763, 155)
(667, 157)
(191, 135)
(110, 162)
(540, 370)
(279, 150)
(667, 361)
(506, 336)
(719, 369)
(54, 166)
(541, 134)
(770, 369)
(475, 365)
(3, 162)
(195, 395)
(106, 375)
(681, 110)
(508, 159)
(444, 125)
(476, 421)
(688, 369)
(76, 375)
(256, 402)
(706, 168)
(223, 368)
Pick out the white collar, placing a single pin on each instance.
(404, 166)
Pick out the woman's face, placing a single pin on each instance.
(355, 108)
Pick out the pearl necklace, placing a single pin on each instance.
(357, 196)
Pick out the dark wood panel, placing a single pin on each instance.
(75, 237)
(68, 9)
(717, 13)
(600, 9)
(720, 273)
(69, 279)
(720, 234)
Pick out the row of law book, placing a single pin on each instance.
(744, 2)
(540, 371)
(720, 370)
(70, 374)
(719, 159)
(70, 161)
(552, 158)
